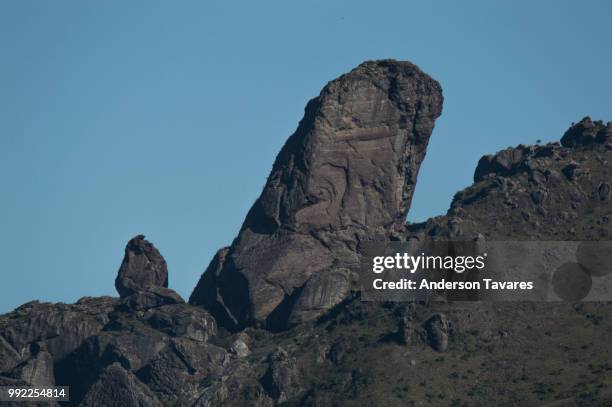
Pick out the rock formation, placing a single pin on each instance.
(143, 266)
(587, 132)
(347, 173)
(543, 192)
(109, 351)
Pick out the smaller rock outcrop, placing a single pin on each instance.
(552, 191)
(515, 160)
(143, 266)
(504, 162)
(523, 159)
(586, 132)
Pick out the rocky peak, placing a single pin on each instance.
(512, 160)
(348, 172)
(508, 162)
(142, 267)
(354, 158)
(551, 191)
(587, 131)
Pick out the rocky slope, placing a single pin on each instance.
(558, 191)
(274, 320)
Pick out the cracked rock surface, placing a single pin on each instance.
(348, 172)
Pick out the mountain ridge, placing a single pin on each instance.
(151, 347)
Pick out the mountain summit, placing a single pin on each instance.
(347, 173)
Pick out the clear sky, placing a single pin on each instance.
(163, 118)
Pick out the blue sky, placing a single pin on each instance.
(163, 118)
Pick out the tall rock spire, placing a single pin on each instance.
(347, 173)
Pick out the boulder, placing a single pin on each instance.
(503, 163)
(240, 345)
(572, 171)
(143, 266)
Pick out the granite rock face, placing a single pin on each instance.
(348, 172)
(143, 266)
